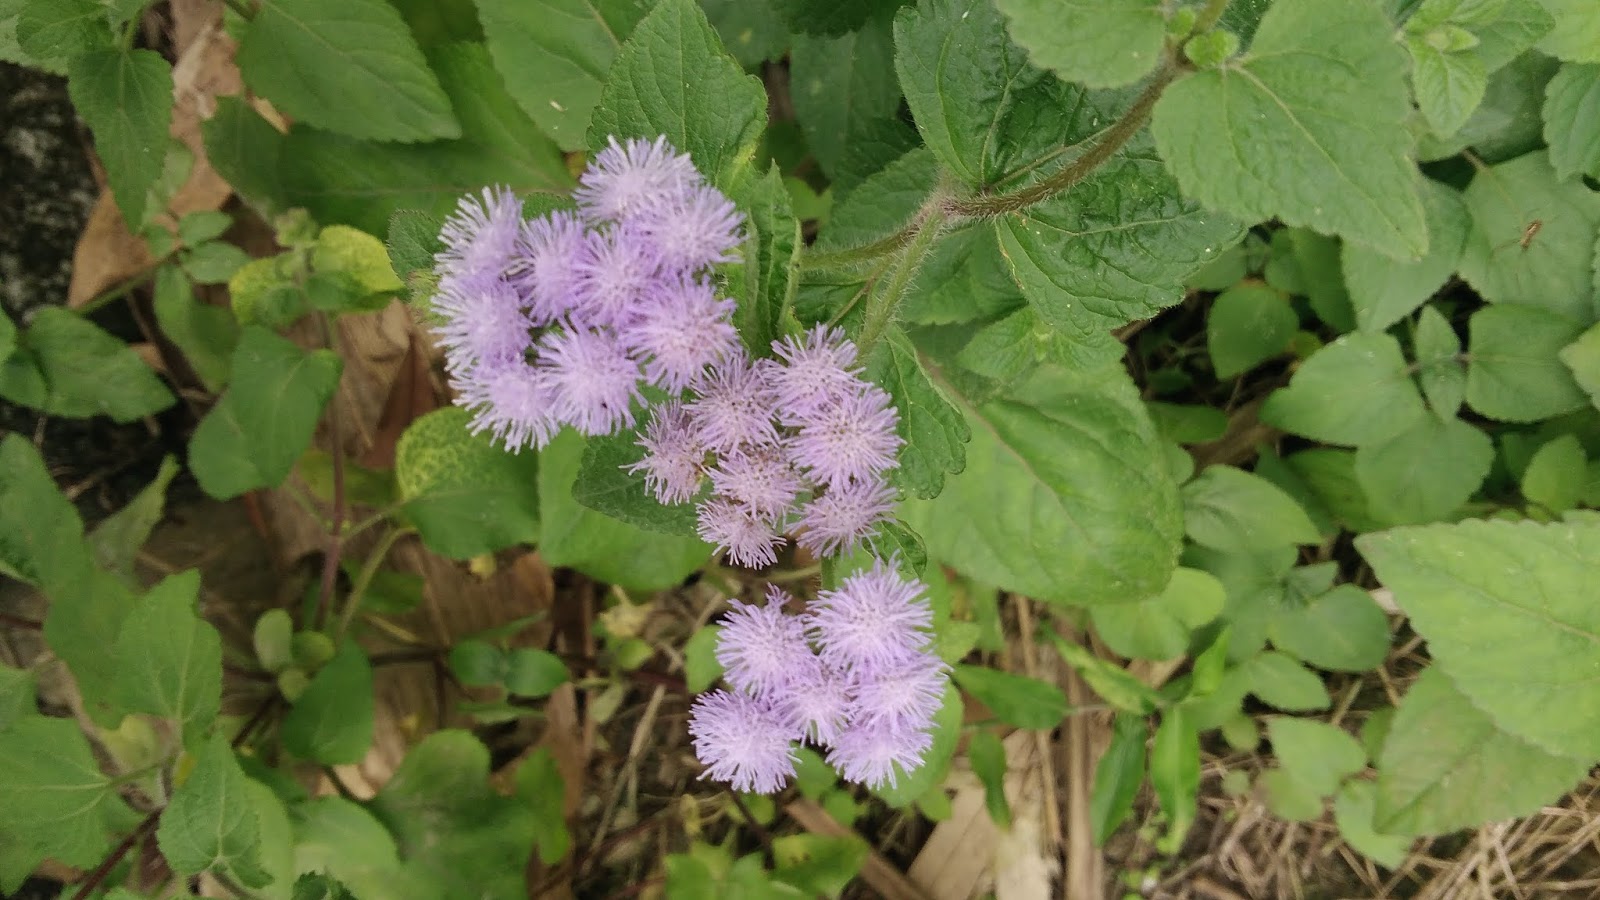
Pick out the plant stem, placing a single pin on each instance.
(845, 259)
(364, 578)
(1209, 16)
(122, 288)
(115, 856)
(330, 562)
(990, 205)
(242, 8)
(881, 304)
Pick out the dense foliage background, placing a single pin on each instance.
(1246, 355)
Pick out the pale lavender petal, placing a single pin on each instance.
(876, 755)
(481, 320)
(511, 401)
(693, 230)
(480, 237)
(758, 478)
(872, 619)
(627, 179)
(748, 541)
(593, 381)
(734, 406)
(813, 372)
(682, 329)
(844, 516)
(743, 741)
(545, 269)
(762, 647)
(852, 439)
(674, 460)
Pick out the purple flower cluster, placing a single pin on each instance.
(558, 320)
(799, 442)
(853, 674)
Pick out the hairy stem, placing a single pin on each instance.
(330, 562)
(881, 304)
(845, 259)
(364, 579)
(1115, 137)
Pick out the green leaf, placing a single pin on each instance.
(55, 797)
(980, 106)
(317, 886)
(934, 431)
(1317, 754)
(597, 545)
(1440, 368)
(170, 659)
(554, 55)
(1111, 682)
(465, 495)
(883, 204)
(456, 834)
(116, 541)
(254, 434)
(1385, 290)
(199, 227)
(1159, 628)
(534, 673)
(362, 183)
(17, 695)
(1582, 357)
(965, 278)
(62, 29)
(750, 29)
(1117, 249)
(212, 263)
(843, 89)
(1079, 453)
(1354, 810)
(413, 242)
(1232, 510)
(206, 334)
(1341, 161)
(1175, 774)
(336, 836)
(1343, 630)
(772, 263)
(1425, 472)
(1117, 776)
(701, 668)
(604, 485)
(1449, 84)
(1446, 766)
(1504, 33)
(988, 757)
(1289, 798)
(1557, 475)
(1014, 699)
(1513, 371)
(673, 78)
(1572, 120)
(1280, 681)
(210, 824)
(65, 365)
(1576, 35)
(1507, 610)
(1356, 390)
(1100, 44)
(1248, 325)
(354, 69)
(1554, 268)
(362, 259)
(831, 16)
(478, 663)
(126, 97)
(540, 784)
(331, 722)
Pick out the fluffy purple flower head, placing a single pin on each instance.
(749, 541)
(683, 330)
(762, 647)
(817, 702)
(734, 406)
(624, 180)
(694, 230)
(843, 516)
(593, 382)
(904, 692)
(872, 619)
(483, 322)
(480, 236)
(816, 370)
(759, 479)
(743, 741)
(512, 401)
(876, 754)
(544, 269)
(615, 275)
(673, 456)
(852, 439)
